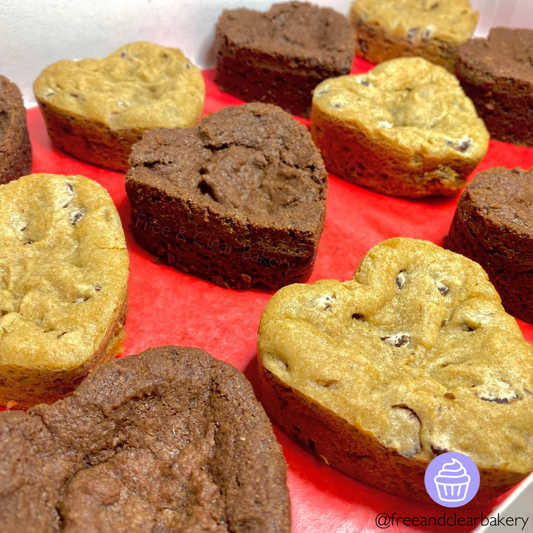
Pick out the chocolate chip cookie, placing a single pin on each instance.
(96, 109)
(63, 285)
(413, 358)
(406, 129)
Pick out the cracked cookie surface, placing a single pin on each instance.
(248, 178)
(406, 128)
(168, 440)
(412, 358)
(63, 284)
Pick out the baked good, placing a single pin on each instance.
(240, 200)
(497, 74)
(169, 440)
(493, 225)
(413, 358)
(15, 147)
(406, 128)
(280, 56)
(96, 109)
(432, 29)
(63, 285)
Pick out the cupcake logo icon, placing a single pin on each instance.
(452, 479)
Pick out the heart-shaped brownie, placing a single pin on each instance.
(63, 285)
(170, 440)
(497, 74)
(15, 147)
(280, 56)
(413, 358)
(240, 200)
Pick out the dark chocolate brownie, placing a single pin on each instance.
(240, 200)
(497, 74)
(15, 147)
(170, 440)
(280, 56)
(493, 225)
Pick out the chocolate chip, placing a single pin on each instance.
(357, 316)
(501, 401)
(463, 145)
(398, 340)
(449, 395)
(412, 33)
(24, 228)
(76, 216)
(400, 279)
(123, 55)
(437, 450)
(327, 383)
(443, 289)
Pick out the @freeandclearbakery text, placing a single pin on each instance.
(388, 520)
(207, 240)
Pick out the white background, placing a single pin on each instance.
(35, 33)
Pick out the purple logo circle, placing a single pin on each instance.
(452, 479)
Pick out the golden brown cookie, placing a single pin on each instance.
(96, 109)
(432, 29)
(406, 129)
(63, 285)
(414, 357)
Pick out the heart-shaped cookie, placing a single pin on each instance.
(280, 56)
(240, 200)
(15, 147)
(413, 358)
(63, 285)
(170, 440)
(96, 109)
